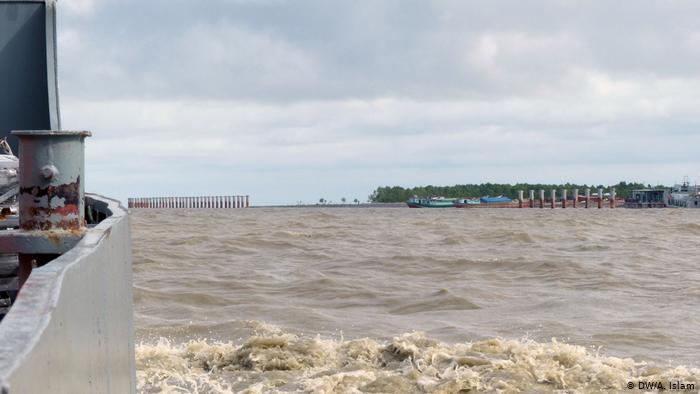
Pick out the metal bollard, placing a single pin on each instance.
(51, 194)
(51, 181)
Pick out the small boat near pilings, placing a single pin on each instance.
(588, 200)
(432, 202)
(441, 202)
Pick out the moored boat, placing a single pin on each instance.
(495, 200)
(433, 202)
(467, 203)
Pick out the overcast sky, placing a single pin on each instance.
(298, 100)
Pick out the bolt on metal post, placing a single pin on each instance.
(51, 188)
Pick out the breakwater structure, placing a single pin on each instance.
(564, 200)
(66, 305)
(555, 200)
(227, 202)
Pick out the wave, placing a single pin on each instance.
(279, 362)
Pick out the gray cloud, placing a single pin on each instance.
(372, 92)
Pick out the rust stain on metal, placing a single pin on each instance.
(54, 237)
(69, 211)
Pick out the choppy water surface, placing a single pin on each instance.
(401, 300)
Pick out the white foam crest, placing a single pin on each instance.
(277, 362)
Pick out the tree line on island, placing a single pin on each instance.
(391, 194)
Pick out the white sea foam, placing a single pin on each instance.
(410, 363)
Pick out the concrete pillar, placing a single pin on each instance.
(588, 197)
(532, 199)
(600, 198)
(575, 198)
(554, 198)
(612, 198)
(542, 198)
(247, 201)
(563, 198)
(520, 198)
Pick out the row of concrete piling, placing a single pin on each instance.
(231, 202)
(587, 201)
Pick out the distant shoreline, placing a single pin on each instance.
(366, 205)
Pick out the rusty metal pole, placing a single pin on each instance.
(600, 198)
(563, 198)
(52, 188)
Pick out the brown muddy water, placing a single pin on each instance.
(416, 301)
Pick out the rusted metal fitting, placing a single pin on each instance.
(51, 189)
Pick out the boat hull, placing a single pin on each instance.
(420, 205)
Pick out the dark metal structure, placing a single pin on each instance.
(70, 327)
(28, 83)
